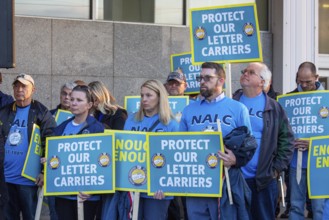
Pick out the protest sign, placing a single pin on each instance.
(80, 163)
(130, 159)
(177, 104)
(307, 113)
(318, 168)
(228, 34)
(62, 116)
(185, 163)
(32, 165)
(184, 63)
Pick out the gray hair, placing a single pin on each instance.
(266, 75)
(69, 85)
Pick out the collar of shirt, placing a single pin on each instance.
(217, 99)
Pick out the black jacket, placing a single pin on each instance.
(38, 114)
(115, 121)
(5, 99)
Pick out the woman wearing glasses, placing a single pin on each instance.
(81, 123)
(154, 115)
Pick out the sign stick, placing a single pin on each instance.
(226, 172)
(80, 208)
(39, 204)
(136, 205)
(282, 191)
(228, 81)
(299, 166)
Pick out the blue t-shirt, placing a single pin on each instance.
(256, 106)
(72, 128)
(16, 148)
(144, 125)
(202, 115)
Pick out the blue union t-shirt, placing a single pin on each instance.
(255, 107)
(72, 128)
(16, 147)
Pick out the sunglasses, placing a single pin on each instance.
(205, 78)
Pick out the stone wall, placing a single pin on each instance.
(122, 55)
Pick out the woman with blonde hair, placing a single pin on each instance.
(105, 110)
(154, 115)
(112, 116)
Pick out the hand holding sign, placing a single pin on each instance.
(301, 145)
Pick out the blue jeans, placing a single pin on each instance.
(150, 209)
(116, 206)
(21, 199)
(199, 208)
(263, 202)
(326, 209)
(298, 198)
(52, 208)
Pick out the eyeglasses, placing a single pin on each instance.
(205, 78)
(250, 73)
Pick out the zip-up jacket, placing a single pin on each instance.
(90, 126)
(277, 143)
(39, 115)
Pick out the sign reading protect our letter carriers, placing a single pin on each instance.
(227, 34)
(185, 163)
(80, 163)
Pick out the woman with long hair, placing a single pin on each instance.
(154, 115)
(105, 109)
(113, 117)
(81, 123)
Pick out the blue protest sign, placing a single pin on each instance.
(62, 116)
(32, 165)
(318, 168)
(130, 159)
(183, 62)
(80, 163)
(177, 104)
(227, 34)
(307, 113)
(185, 163)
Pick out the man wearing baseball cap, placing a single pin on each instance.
(16, 125)
(176, 86)
(176, 83)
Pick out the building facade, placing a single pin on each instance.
(123, 47)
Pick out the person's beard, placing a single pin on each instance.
(206, 92)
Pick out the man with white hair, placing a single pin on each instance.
(274, 137)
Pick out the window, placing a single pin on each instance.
(54, 8)
(148, 11)
(323, 26)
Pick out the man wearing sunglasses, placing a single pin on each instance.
(274, 137)
(16, 124)
(202, 115)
